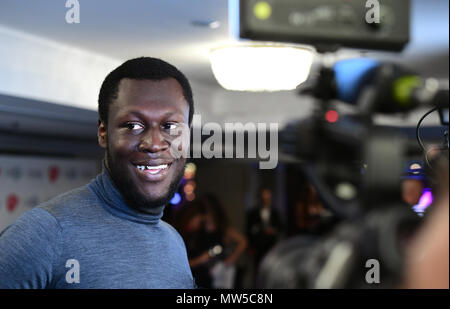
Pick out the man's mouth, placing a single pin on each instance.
(152, 169)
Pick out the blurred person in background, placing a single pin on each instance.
(264, 227)
(309, 214)
(213, 244)
(427, 263)
(413, 183)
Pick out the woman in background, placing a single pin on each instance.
(213, 245)
(310, 215)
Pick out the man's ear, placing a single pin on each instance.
(101, 134)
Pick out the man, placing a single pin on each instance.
(263, 226)
(413, 183)
(412, 190)
(109, 233)
(426, 264)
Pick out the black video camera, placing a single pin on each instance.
(355, 165)
(368, 24)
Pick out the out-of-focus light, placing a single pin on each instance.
(415, 168)
(262, 10)
(265, 67)
(175, 199)
(331, 116)
(189, 171)
(425, 200)
(350, 74)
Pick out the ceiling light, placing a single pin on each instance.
(261, 67)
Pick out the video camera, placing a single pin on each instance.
(328, 25)
(355, 165)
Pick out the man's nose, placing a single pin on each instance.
(153, 141)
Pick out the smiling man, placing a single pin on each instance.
(137, 133)
(109, 233)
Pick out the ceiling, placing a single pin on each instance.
(169, 29)
(128, 29)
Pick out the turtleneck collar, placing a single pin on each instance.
(113, 201)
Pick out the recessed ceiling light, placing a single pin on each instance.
(261, 67)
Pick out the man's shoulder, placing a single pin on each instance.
(69, 203)
(36, 221)
(168, 227)
(30, 246)
(172, 231)
(50, 217)
(45, 218)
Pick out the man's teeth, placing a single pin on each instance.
(153, 169)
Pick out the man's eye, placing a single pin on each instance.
(170, 126)
(134, 126)
(173, 129)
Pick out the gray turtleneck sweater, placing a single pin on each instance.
(90, 238)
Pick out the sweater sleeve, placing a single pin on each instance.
(28, 250)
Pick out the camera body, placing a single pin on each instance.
(368, 24)
(353, 153)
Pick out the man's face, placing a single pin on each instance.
(412, 191)
(140, 132)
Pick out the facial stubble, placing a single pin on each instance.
(133, 197)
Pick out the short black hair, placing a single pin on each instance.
(141, 69)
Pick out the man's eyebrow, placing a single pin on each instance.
(141, 115)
